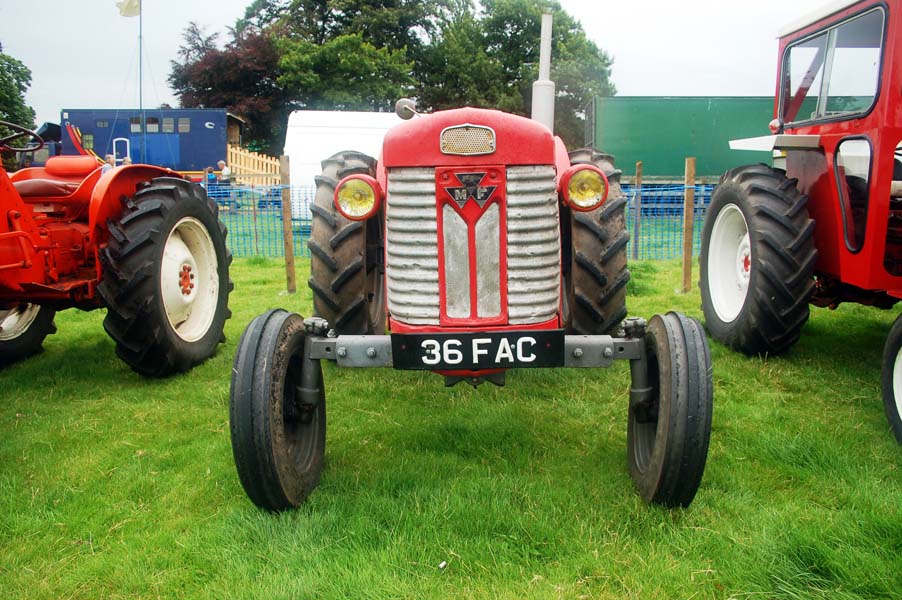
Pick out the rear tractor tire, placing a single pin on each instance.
(594, 262)
(23, 329)
(277, 412)
(891, 379)
(166, 278)
(346, 266)
(757, 261)
(667, 435)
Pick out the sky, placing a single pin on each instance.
(82, 54)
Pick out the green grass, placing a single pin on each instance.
(112, 486)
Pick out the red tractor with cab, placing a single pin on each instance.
(824, 225)
(482, 246)
(139, 240)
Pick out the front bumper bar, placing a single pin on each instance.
(372, 351)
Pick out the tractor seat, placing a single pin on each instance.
(71, 166)
(32, 188)
(60, 177)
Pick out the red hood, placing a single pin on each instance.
(518, 140)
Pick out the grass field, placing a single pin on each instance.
(112, 486)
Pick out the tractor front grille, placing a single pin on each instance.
(533, 246)
(467, 140)
(411, 240)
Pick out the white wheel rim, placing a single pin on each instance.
(16, 321)
(897, 382)
(189, 279)
(729, 263)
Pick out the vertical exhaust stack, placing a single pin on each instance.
(543, 88)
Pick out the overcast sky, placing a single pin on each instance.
(82, 54)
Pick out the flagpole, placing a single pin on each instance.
(141, 81)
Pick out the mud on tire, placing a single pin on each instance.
(757, 261)
(166, 278)
(347, 270)
(593, 253)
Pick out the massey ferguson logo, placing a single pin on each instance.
(470, 188)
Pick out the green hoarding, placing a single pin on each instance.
(662, 131)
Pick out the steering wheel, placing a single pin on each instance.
(18, 132)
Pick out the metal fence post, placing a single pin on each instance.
(287, 235)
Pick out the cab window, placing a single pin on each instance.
(835, 73)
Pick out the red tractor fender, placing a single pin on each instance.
(112, 188)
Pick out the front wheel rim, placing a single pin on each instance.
(897, 382)
(729, 265)
(16, 321)
(189, 279)
(645, 420)
(300, 423)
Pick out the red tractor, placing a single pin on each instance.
(826, 226)
(138, 240)
(482, 246)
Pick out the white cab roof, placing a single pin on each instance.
(829, 8)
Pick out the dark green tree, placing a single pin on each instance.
(345, 73)
(492, 60)
(579, 68)
(15, 79)
(393, 24)
(456, 70)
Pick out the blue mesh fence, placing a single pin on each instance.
(253, 216)
(660, 234)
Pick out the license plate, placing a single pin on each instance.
(476, 351)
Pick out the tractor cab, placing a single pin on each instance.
(837, 80)
(824, 225)
(837, 132)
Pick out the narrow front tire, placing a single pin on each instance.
(668, 435)
(277, 412)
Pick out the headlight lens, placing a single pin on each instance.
(357, 197)
(587, 189)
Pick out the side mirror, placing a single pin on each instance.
(405, 108)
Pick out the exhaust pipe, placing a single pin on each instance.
(543, 88)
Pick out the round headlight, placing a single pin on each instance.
(587, 189)
(357, 197)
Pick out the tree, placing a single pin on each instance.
(580, 69)
(456, 70)
(288, 54)
(492, 61)
(345, 73)
(15, 79)
(364, 54)
(241, 78)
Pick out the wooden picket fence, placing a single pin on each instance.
(252, 168)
